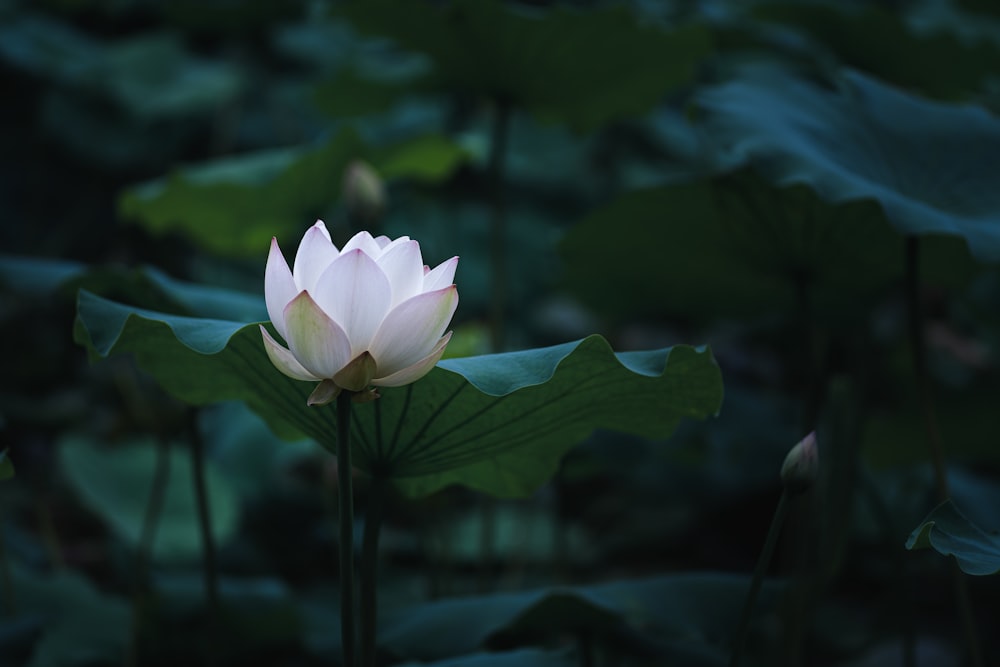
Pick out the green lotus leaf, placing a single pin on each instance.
(498, 423)
(947, 531)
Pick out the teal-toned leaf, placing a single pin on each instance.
(736, 246)
(82, 625)
(497, 423)
(947, 531)
(37, 276)
(696, 610)
(234, 206)
(526, 657)
(6, 465)
(605, 64)
(929, 165)
(115, 483)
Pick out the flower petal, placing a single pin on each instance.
(404, 268)
(412, 329)
(283, 359)
(279, 287)
(315, 253)
(316, 341)
(441, 276)
(415, 371)
(363, 241)
(355, 292)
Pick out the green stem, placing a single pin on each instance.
(143, 555)
(209, 567)
(345, 506)
(369, 569)
(918, 351)
(498, 223)
(780, 513)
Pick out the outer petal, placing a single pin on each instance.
(441, 276)
(315, 253)
(317, 342)
(363, 241)
(356, 294)
(415, 371)
(279, 287)
(404, 268)
(412, 329)
(283, 359)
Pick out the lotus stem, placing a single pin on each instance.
(777, 521)
(918, 351)
(369, 569)
(209, 566)
(498, 223)
(345, 507)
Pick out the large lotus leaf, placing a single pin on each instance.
(689, 615)
(736, 246)
(579, 67)
(931, 166)
(525, 657)
(498, 423)
(115, 483)
(235, 205)
(880, 42)
(948, 531)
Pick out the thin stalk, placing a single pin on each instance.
(345, 506)
(143, 555)
(9, 599)
(918, 351)
(498, 223)
(209, 567)
(777, 521)
(369, 569)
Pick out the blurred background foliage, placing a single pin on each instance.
(746, 174)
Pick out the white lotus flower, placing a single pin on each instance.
(368, 314)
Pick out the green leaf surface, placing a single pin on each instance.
(605, 64)
(235, 205)
(736, 246)
(497, 423)
(696, 608)
(115, 483)
(947, 531)
(931, 166)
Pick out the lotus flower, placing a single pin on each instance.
(369, 314)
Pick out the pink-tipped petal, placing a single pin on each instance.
(441, 276)
(279, 287)
(412, 329)
(283, 359)
(317, 342)
(383, 241)
(363, 241)
(415, 371)
(404, 268)
(315, 253)
(356, 294)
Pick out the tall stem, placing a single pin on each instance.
(918, 351)
(780, 513)
(369, 569)
(209, 567)
(345, 504)
(498, 223)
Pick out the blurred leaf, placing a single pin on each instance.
(6, 465)
(694, 608)
(497, 423)
(37, 276)
(735, 246)
(82, 625)
(115, 483)
(526, 657)
(605, 64)
(234, 206)
(929, 165)
(878, 40)
(947, 531)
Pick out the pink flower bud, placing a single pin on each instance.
(801, 466)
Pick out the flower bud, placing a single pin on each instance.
(801, 466)
(363, 192)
